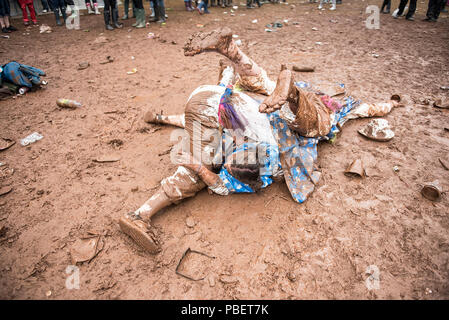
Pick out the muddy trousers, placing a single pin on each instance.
(24, 4)
(386, 3)
(110, 8)
(434, 8)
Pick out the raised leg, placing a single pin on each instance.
(253, 77)
(285, 91)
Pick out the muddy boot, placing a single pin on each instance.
(141, 232)
(89, 9)
(97, 11)
(141, 18)
(58, 20)
(107, 19)
(115, 21)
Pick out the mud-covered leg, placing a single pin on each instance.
(177, 120)
(253, 77)
(183, 184)
(285, 91)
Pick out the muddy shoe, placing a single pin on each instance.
(140, 232)
(217, 40)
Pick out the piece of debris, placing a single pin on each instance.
(378, 130)
(48, 293)
(315, 29)
(396, 169)
(193, 265)
(190, 222)
(107, 158)
(441, 103)
(86, 248)
(444, 87)
(67, 103)
(228, 279)
(134, 70)
(356, 169)
(254, 21)
(83, 65)
(35, 136)
(432, 191)
(5, 190)
(100, 40)
(150, 35)
(109, 59)
(303, 69)
(444, 164)
(6, 143)
(44, 29)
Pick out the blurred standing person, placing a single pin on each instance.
(45, 7)
(159, 11)
(140, 14)
(126, 9)
(387, 3)
(434, 9)
(59, 5)
(202, 7)
(24, 4)
(5, 13)
(410, 12)
(334, 5)
(89, 7)
(110, 12)
(188, 4)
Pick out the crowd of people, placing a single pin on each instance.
(157, 8)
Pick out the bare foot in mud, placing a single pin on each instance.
(217, 40)
(285, 91)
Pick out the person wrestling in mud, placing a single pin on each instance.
(245, 133)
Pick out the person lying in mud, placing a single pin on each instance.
(244, 133)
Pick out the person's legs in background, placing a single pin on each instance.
(433, 10)
(140, 14)
(387, 4)
(401, 8)
(107, 14)
(411, 10)
(59, 5)
(114, 15)
(5, 12)
(45, 7)
(187, 3)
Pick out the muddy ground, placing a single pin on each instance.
(265, 245)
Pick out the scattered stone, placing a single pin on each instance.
(190, 222)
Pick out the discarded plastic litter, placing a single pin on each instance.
(134, 70)
(66, 103)
(432, 191)
(35, 136)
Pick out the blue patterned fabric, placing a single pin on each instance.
(271, 163)
(295, 154)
